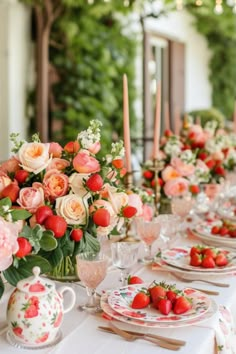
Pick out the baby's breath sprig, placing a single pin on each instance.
(14, 138)
(117, 149)
(35, 138)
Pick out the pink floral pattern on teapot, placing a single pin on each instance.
(35, 310)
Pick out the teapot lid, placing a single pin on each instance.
(36, 284)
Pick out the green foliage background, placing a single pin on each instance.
(91, 55)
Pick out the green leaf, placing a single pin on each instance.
(1, 287)
(5, 202)
(20, 214)
(48, 242)
(55, 257)
(13, 275)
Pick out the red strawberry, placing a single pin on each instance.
(148, 174)
(134, 280)
(42, 213)
(210, 163)
(232, 232)
(129, 211)
(76, 235)
(11, 191)
(171, 295)
(164, 306)
(118, 163)
(212, 252)
(57, 224)
(141, 300)
(219, 170)
(195, 249)
(24, 247)
(95, 182)
(196, 260)
(18, 331)
(208, 262)
(221, 260)
(157, 292)
(32, 311)
(21, 176)
(194, 189)
(101, 217)
(215, 230)
(168, 133)
(202, 155)
(182, 305)
(224, 231)
(72, 147)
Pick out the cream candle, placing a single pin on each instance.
(157, 122)
(126, 124)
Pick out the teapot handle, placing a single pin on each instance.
(73, 297)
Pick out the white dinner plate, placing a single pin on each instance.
(179, 257)
(120, 301)
(109, 313)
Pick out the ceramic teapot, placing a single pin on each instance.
(35, 310)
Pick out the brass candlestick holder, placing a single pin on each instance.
(128, 186)
(156, 168)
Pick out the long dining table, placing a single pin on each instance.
(80, 332)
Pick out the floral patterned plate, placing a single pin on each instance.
(203, 231)
(120, 300)
(109, 313)
(227, 211)
(179, 257)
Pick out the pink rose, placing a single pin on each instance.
(30, 198)
(184, 169)
(73, 209)
(95, 148)
(83, 162)
(10, 166)
(8, 243)
(58, 164)
(34, 157)
(55, 149)
(201, 165)
(4, 181)
(55, 183)
(148, 212)
(176, 187)
(169, 173)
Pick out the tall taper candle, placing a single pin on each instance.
(126, 125)
(157, 122)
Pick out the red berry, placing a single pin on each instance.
(95, 182)
(215, 230)
(164, 306)
(208, 262)
(76, 235)
(42, 213)
(232, 232)
(134, 280)
(101, 217)
(118, 163)
(196, 260)
(57, 224)
(224, 231)
(24, 247)
(194, 189)
(141, 300)
(129, 211)
(221, 260)
(148, 174)
(182, 305)
(21, 176)
(219, 170)
(11, 191)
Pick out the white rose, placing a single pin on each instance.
(34, 157)
(76, 182)
(73, 209)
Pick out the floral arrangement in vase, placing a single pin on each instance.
(56, 202)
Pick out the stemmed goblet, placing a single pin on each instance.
(169, 228)
(124, 256)
(182, 206)
(149, 232)
(91, 269)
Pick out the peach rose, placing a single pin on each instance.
(118, 200)
(10, 166)
(30, 198)
(73, 209)
(176, 187)
(184, 169)
(58, 164)
(55, 183)
(83, 162)
(169, 173)
(34, 157)
(76, 183)
(8, 243)
(95, 148)
(4, 181)
(55, 149)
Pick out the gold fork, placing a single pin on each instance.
(132, 337)
(186, 280)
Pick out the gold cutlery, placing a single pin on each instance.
(206, 291)
(150, 335)
(132, 337)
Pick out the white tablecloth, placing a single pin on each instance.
(80, 333)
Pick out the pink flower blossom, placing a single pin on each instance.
(83, 162)
(30, 198)
(176, 187)
(8, 243)
(56, 184)
(184, 169)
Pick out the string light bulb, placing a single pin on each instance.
(199, 2)
(218, 9)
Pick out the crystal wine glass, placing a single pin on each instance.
(124, 255)
(169, 228)
(92, 269)
(149, 232)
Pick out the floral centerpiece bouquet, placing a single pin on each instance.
(56, 202)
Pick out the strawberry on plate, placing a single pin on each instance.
(134, 279)
(157, 291)
(208, 262)
(141, 300)
(182, 305)
(164, 306)
(221, 259)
